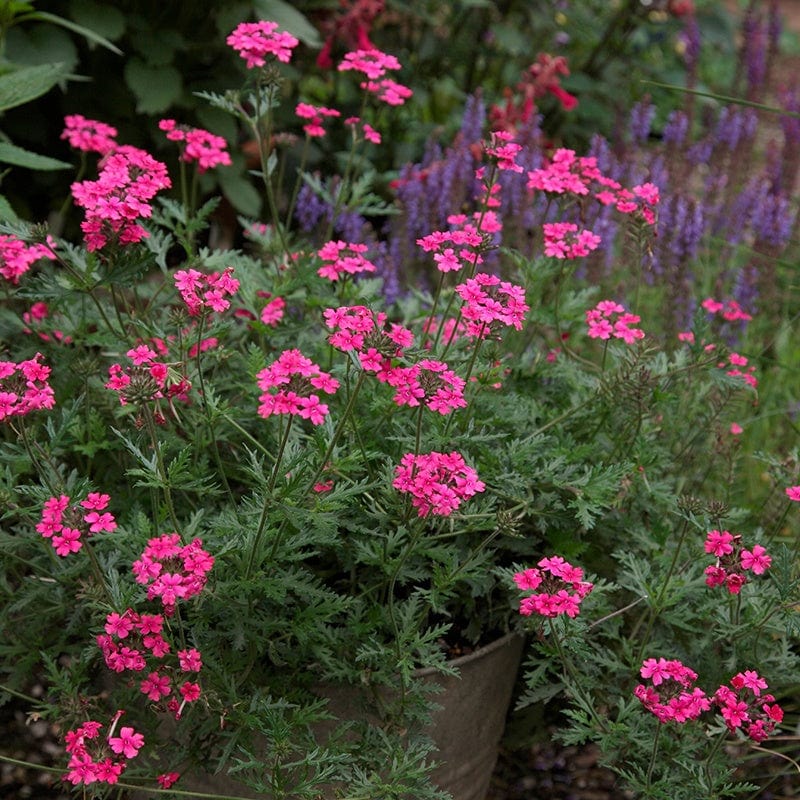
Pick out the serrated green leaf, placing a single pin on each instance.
(288, 19)
(11, 154)
(156, 88)
(22, 85)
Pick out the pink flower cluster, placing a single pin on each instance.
(254, 41)
(359, 329)
(315, 115)
(89, 135)
(289, 386)
(568, 173)
(172, 571)
(744, 707)
(90, 754)
(557, 586)
(428, 382)
(734, 369)
(149, 379)
(342, 259)
(609, 319)
(388, 91)
(729, 310)
(128, 179)
(375, 64)
(34, 318)
(16, 257)
(369, 133)
(65, 524)
(211, 292)
(793, 493)
(273, 311)
(437, 482)
(135, 642)
(454, 249)
(490, 303)
(504, 150)
(733, 561)
(566, 240)
(677, 700)
(24, 387)
(207, 149)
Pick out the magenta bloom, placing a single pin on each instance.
(16, 256)
(128, 743)
(437, 482)
(745, 707)
(609, 319)
(676, 699)
(566, 240)
(173, 571)
(430, 383)
(65, 524)
(343, 258)
(89, 135)
(201, 146)
(793, 493)
(210, 292)
(490, 304)
(372, 63)
(557, 588)
(120, 196)
(290, 386)
(733, 561)
(254, 41)
(24, 387)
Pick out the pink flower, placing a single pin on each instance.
(746, 707)
(167, 779)
(609, 319)
(128, 180)
(208, 292)
(373, 63)
(254, 41)
(17, 257)
(199, 145)
(342, 259)
(89, 135)
(437, 482)
(558, 588)
(128, 743)
(565, 240)
(793, 493)
(155, 686)
(24, 387)
(756, 560)
(676, 699)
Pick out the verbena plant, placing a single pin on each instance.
(234, 476)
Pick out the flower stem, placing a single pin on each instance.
(262, 522)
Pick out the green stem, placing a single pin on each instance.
(262, 522)
(351, 401)
(574, 678)
(207, 411)
(165, 484)
(653, 755)
(656, 607)
(298, 182)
